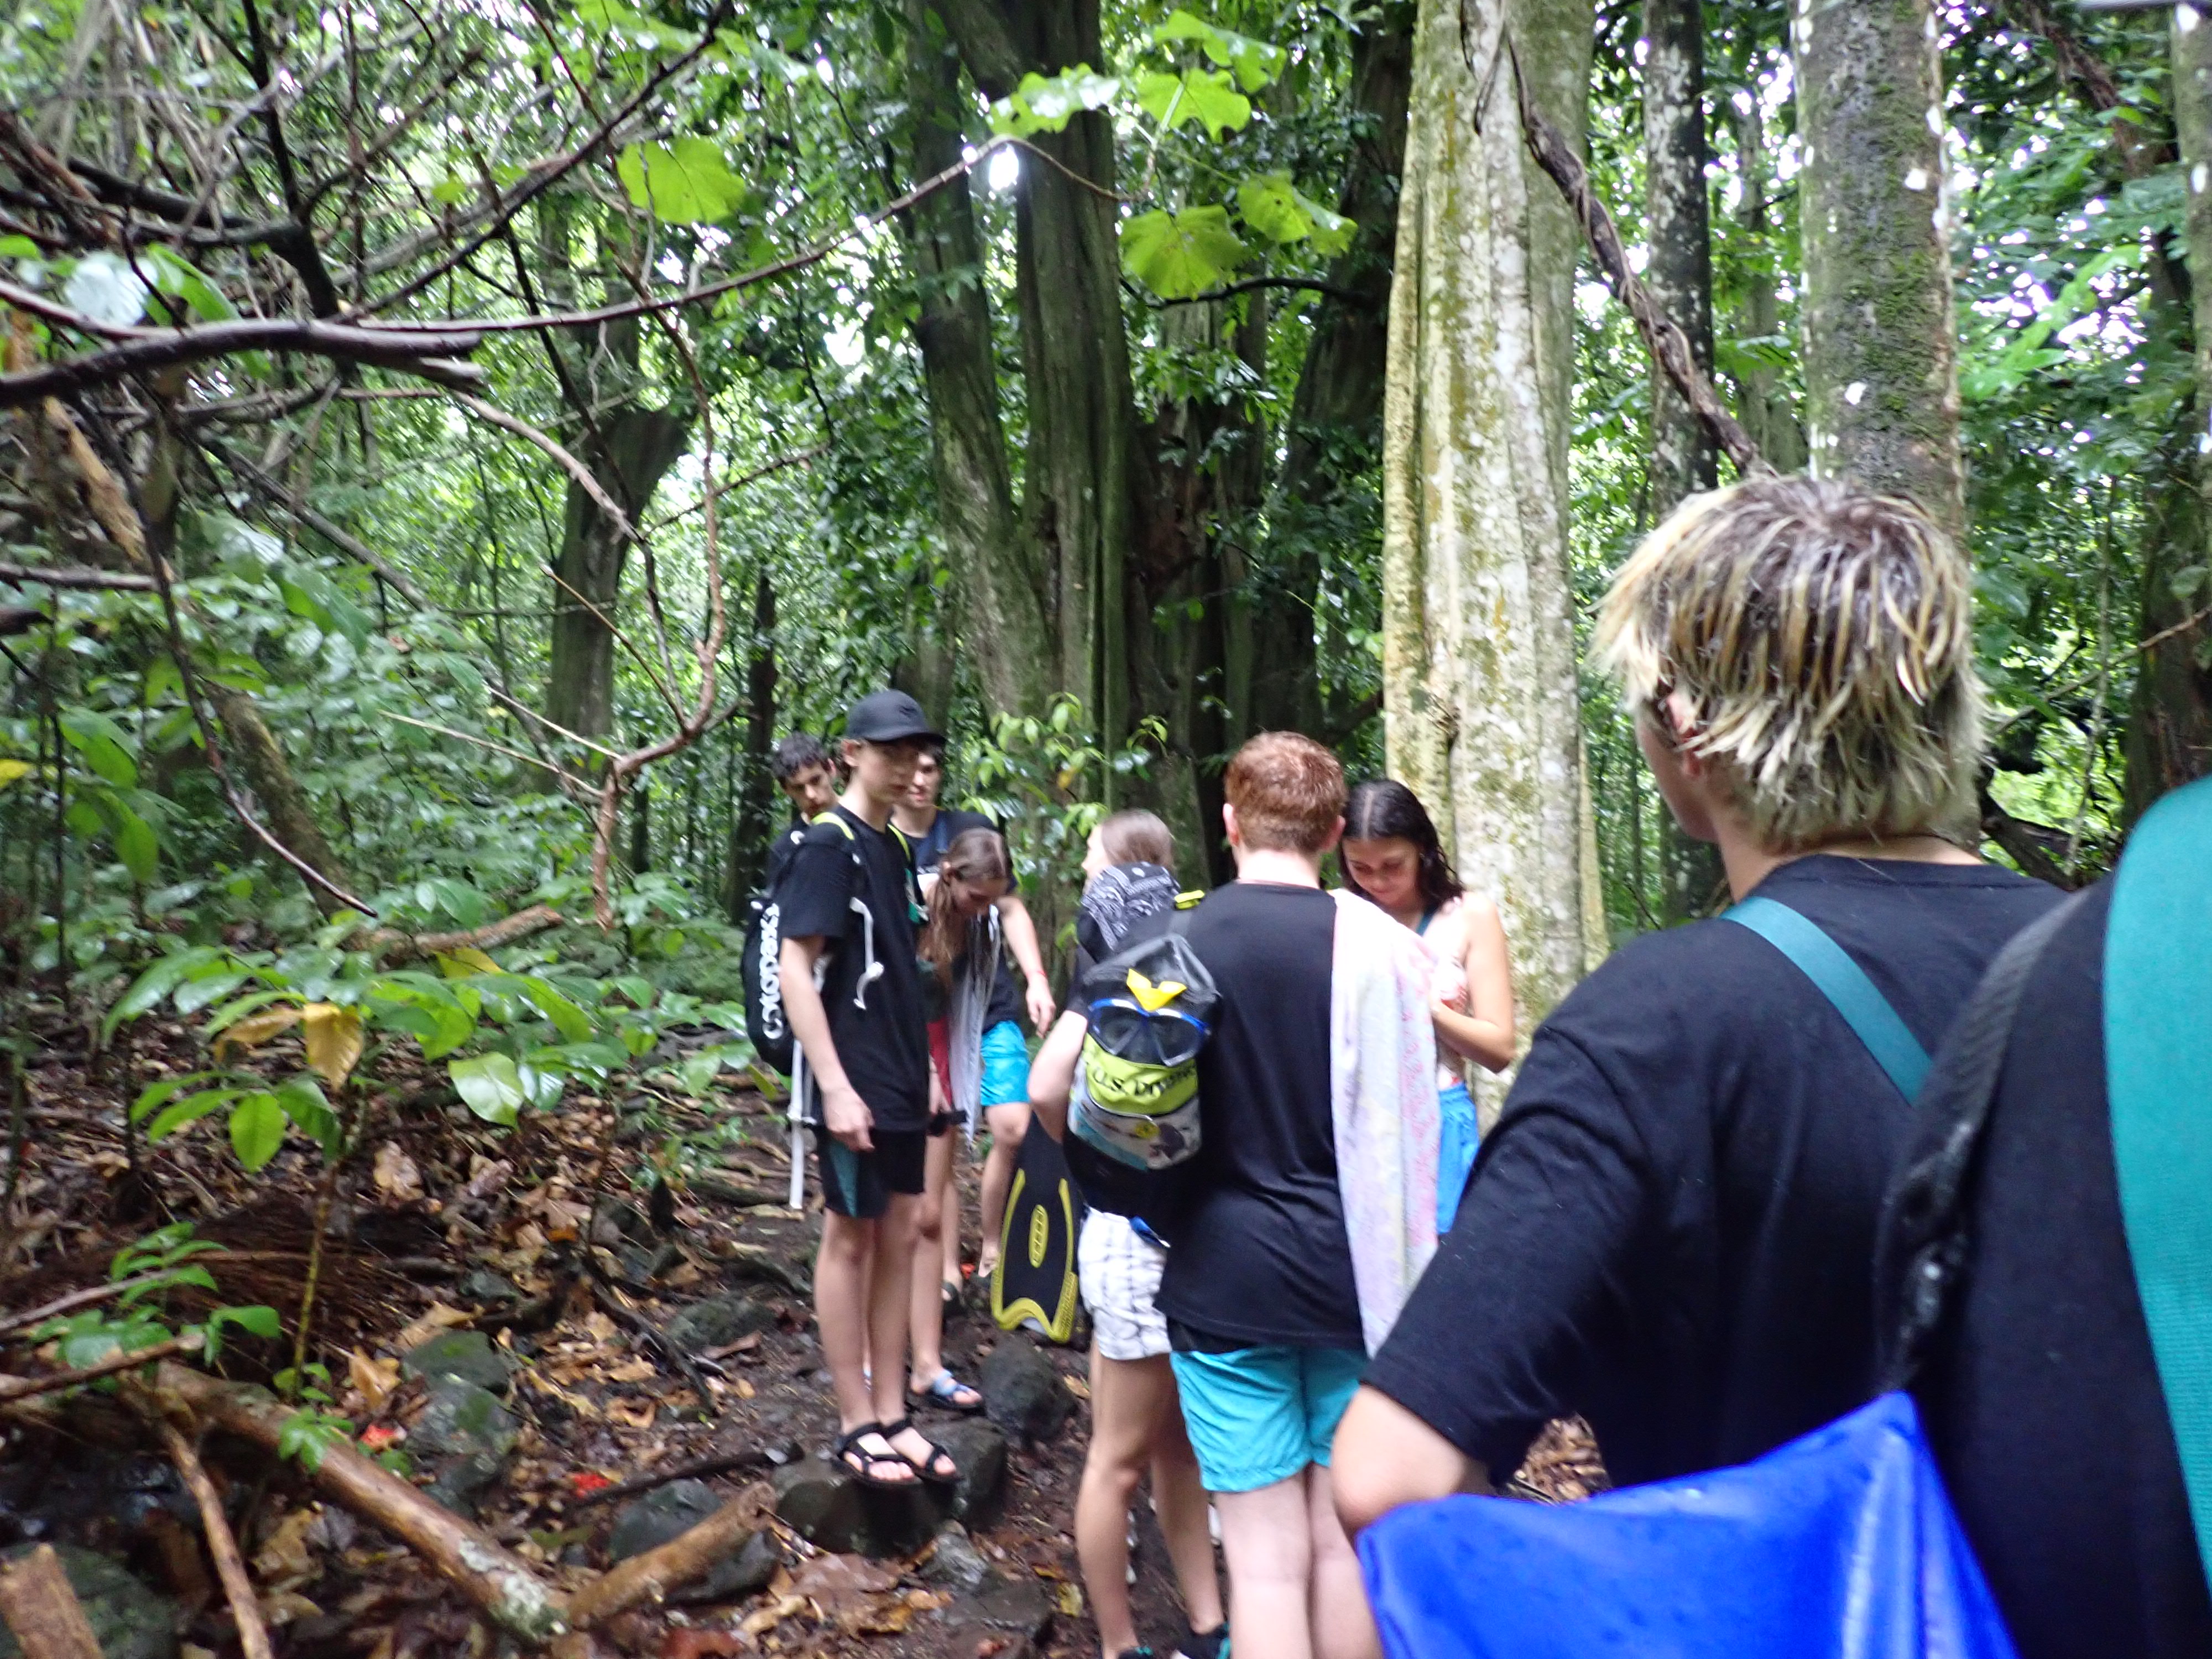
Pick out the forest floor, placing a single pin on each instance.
(580, 1285)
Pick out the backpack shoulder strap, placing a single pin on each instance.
(1844, 982)
(2157, 1072)
(1922, 1244)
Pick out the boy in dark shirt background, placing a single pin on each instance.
(808, 779)
(853, 991)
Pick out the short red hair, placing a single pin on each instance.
(1288, 792)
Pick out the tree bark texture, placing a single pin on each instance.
(750, 825)
(2170, 739)
(1761, 399)
(1336, 414)
(1678, 231)
(998, 587)
(285, 807)
(1881, 381)
(639, 445)
(1480, 705)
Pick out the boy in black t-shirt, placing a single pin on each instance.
(1671, 1230)
(808, 779)
(852, 990)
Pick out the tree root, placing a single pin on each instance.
(223, 1544)
(649, 1578)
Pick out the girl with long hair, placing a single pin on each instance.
(959, 946)
(1391, 855)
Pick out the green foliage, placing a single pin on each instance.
(1181, 255)
(132, 1320)
(685, 182)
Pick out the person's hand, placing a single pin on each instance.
(1042, 1007)
(846, 1116)
(940, 1104)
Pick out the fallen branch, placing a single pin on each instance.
(23, 1387)
(42, 1610)
(84, 580)
(1663, 335)
(74, 1300)
(500, 1582)
(221, 1542)
(721, 1464)
(649, 1578)
(395, 946)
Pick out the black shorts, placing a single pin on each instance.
(860, 1184)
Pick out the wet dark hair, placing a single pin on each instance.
(1384, 809)
(795, 753)
(1137, 836)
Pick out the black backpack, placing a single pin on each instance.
(762, 966)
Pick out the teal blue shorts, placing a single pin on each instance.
(1261, 1415)
(1006, 1065)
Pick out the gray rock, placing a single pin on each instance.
(955, 1561)
(646, 1263)
(1022, 1392)
(467, 1436)
(482, 1284)
(825, 1505)
(129, 1621)
(979, 1497)
(666, 1512)
(1018, 1605)
(468, 1356)
(619, 1223)
(718, 1322)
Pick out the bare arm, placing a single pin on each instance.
(844, 1114)
(1052, 1073)
(1485, 1032)
(1021, 934)
(1384, 1457)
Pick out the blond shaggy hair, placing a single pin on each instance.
(1822, 640)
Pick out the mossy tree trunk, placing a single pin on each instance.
(1480, 707)
(1882, 382)
(1678, 231)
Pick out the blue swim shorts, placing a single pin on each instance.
(1006, 1065)
(1261, 1415)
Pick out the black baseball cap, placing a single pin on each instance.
(889, 717)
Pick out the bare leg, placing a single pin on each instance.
(926, 1317)
(1179, 1500)
(891, 1291)
(840, 1316)
(1009, 1124)
(949, 1215)
(1343, 1627)
(1267, 1537)
(1128, 1400)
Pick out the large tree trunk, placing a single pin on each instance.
(2169, 739)
(1881, 383)
(1761, 402)
(746, 867)
(639, 445)
(998, 587)
(1480, 707)
(1678, 231)
(1336, 415)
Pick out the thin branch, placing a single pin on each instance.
(346, 542)
(223, 1544)
(23, 575)
(24, 1388)
(75, 1299)
(569, 780)
(1350, 296)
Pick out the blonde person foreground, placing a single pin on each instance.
(1671, 1230)
(1136, 1419)
(1391, 855)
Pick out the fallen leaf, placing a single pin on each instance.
(1077, 1387)
(283, 1556)
(334, 1039)
(439, 1318)
(634, 1370)
(629, 1416)
(285, 1605)
(694, 1643)
(396, 1174)
(587, 1482)
(1070, 1601)
(255, 1030)
(745, 1390)
(743, 1345)
(376, 1436)
(599, 1327)
(769, 1617)
(922, 1601)
(375, 1378)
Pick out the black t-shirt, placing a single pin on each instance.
(1260, 1255)
(1671, 1230)
(929, 849)
(784, 843)
(2039, 1394)
(879, 1028)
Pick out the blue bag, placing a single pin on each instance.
(1840, 1545)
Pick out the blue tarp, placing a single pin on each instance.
(1838, 1545)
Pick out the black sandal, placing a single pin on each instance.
(938, 1468)
(847, 1447)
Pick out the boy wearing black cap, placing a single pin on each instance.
(852, 993)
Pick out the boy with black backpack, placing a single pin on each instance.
(852, 993)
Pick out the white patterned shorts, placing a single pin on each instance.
(1120, 1273)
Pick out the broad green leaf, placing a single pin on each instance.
(205, 989)
(1046, 103)
(18, 247)
(1201, 95)
(572, 1022)
(255, 1321)
(1255, 62)
(12, 769)
(106, 289)
(135, 844)
(1269, 204)
(490, 1086)
(190, 1110)
(156, 983)
(1179, 256)
(172, 274)
(304, 1103)
(103, 745)
(467, 961)
(684, 183)
(257, 1129)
